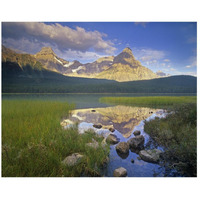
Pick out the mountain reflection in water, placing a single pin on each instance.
(121, 118)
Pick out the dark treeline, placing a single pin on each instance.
(29, 80)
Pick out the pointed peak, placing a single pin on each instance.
(47, 50)
(127, 50)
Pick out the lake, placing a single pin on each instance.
(85, 100)
(124, 119)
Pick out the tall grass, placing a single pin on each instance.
(149, 101)
(178, 134)
(34, 143)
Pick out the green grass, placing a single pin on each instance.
(34, 143)
(155, 101)
(178, 134)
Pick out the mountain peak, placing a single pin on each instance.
(47, 50)
(126, 57)
(127, 50)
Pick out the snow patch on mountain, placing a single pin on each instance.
(69, 64)
(75, 70)
(58, 61)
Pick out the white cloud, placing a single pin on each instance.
(147, 54)
(172, 69)
(87, 56)
(186, 73)
(63, 37)
(163, 64)
(166, 60)
(193, 61)
(190, 73)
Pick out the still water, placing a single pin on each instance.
(84, 100)
(124, 119)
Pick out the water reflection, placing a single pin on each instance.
(121, 118)
(125, 120)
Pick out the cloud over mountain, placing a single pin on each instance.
(63, 37)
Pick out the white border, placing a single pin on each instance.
(101, 188)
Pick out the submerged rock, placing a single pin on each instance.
(112, 139)
(111, 129)
(73, 159)
(123, 155)
(120, 172)
(122, 148)
(136, 142)
(150, 155)
(136, 133)
(97, 126)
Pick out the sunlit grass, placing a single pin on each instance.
(34, 143)
(149, 101)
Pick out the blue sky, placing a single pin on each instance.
(161, 46)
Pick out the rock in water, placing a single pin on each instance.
(111, 129)
(136, 133)
(136, 142)
(97, 126)
(72, 160)
(120, 172)
(122, 148)
(112, 139)
(152, 156)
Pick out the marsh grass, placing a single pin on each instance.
(152, 101)
(34, 143)
(178, 134)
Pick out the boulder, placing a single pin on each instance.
(122, 148)
(112, 139)
(97, 126)
(73, 159)
(152, 156)
(123, 155)
(67, 122)
(136, 142)
(120, 172)
(111, 129)
(136, 133)
(94, 144)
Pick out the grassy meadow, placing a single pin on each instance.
(34, 144)
(151, 101)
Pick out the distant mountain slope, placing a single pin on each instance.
(126, 68)
(51, 61)
(23, 60)
(22, 73)
(123, 67)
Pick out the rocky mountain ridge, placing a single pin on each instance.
(123, 67)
